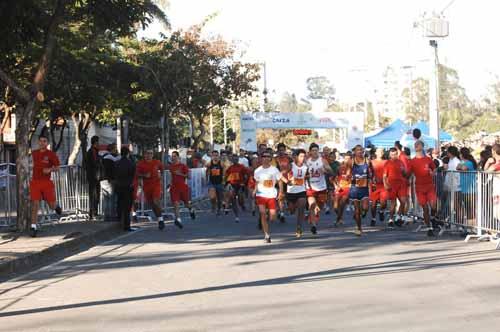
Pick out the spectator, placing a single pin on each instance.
(107, 183)
(94, 168)
(124, 173)
(493, 163)
(484, 156)
(467, 168)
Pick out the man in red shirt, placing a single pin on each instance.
(149, 170)
(235, 178)
(41, 186)
(378, 192)
(423, 168)
(395, 185)
(179, 191)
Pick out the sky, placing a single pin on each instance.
(348, 39)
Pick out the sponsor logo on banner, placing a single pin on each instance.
(281, 120)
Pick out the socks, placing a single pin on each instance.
(33, 226)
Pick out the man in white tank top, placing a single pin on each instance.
(317, 193)
(296, 189)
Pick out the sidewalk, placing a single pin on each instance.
(21, 253)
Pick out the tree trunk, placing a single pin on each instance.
(81, 128)
(22, 165)
(198, 138)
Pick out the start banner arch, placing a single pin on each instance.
(353, 122)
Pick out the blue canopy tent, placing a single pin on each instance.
(386, 137)
(424, 128)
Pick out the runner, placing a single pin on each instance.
(215, 175)
(225, 160)
(235, 179)
(317, 194)
(149, 170)
(179, 191)
(378, 193)
(296, 189)
(342, 187)
(361, 179)
(266, 177)
(404, 156)
(251, 181)
(394, 184)
(330, 179)
(283, 162)
(423, 168)
(41, 186)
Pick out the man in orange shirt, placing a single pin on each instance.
(395, 184)
(149, 170)
(235, 178)
(378, 192)
(179, 190)
(41, 186)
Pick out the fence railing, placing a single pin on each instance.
(72, 193)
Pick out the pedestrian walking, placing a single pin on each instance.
(107, 184)
(93, 167)
(124, 173)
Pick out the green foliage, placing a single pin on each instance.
(319, 87)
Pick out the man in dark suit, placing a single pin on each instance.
(124, 172)
(92, 162)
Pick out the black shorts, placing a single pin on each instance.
(294, 197)
(236, 188)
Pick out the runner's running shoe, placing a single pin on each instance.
(298, 232)
(161, 225)
(178, 223)
(314, 230)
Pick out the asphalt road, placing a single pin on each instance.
(215, 275)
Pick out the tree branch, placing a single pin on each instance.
(20, 92)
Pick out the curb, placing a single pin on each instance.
(56, 252)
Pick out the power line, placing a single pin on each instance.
(448, 6)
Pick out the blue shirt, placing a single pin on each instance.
(468, 178)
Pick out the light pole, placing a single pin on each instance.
(434, 28)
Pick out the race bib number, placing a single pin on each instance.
(234, 177)
(268, 183)
(344, 183)
(298, 182)
(215, 172)
(362, 183)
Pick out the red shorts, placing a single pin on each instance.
(380, 194)
(342, 192)
(426, 195)
(269, 203)
(398, 190)
(152, 192)
(42, 190)
(321, 197)
(179, 194)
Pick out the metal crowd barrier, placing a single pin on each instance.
(468, 201)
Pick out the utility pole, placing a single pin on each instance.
(211, 130)
(225, 127)
(119, 134)
(434, 96)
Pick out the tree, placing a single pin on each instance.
(289, 104)
(416, 101)
(319, 87)
(31, 31)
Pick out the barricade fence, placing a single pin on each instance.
(72, 194)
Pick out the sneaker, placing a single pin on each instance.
(161, 225)
(430, 233)
(339, 223)
(373, 222)
(282, 218)
(381, 216)
(236, 220)
(298, 232)
(178, 223)
(134, 219)
(358, 232)
(33, 230)
(58, 210)
(327, 211)
(399, 223)
(192, 213)
(314, 230)
(390, 223)
(267, 240)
